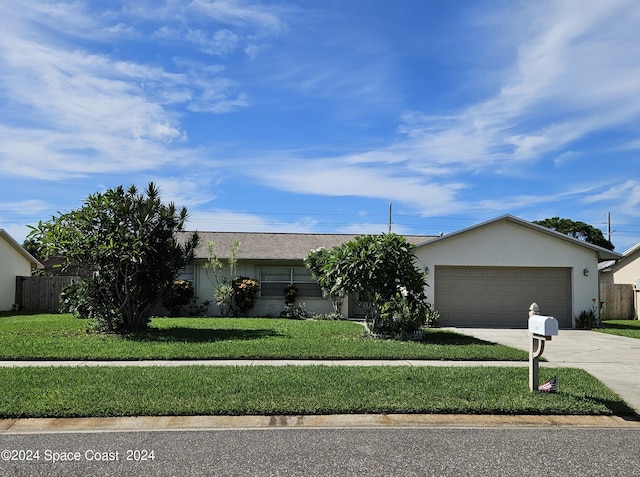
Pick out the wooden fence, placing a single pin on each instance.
(617, 301)
(40, 293)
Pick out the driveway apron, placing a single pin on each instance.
(614, 360)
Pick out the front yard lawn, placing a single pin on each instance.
(62, 337)
(628, 328)
(270, 390)
(295, 390)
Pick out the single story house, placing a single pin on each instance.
(276, 260)
(484, 276)
(625, 271)
(15, 261)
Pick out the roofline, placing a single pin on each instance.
(631, 249)
(602, 253)
(34, 261)
(341, 234)
(606, 266)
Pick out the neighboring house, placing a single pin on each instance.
(15, 261)
(484, 276)
(625, 271)
(276, 260)
(489, 274)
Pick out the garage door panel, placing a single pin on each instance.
(500, 297)
(460, 272)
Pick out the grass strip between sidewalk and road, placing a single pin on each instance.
(62, 337)
(295, 390)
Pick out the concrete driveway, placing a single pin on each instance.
(614, 360)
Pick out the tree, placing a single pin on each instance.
(33, 247)
(223, 287)
(315, 262)
(381, 273)
(578, 230)
(127, 244)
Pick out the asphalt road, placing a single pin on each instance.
(328, 452)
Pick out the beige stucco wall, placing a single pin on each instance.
(507, 244)
(12, 265)
(628, 271)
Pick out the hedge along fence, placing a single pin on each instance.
(617, 301)
(41, 293)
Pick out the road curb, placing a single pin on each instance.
(191, 423)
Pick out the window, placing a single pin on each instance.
(273, 280)
(188, 273)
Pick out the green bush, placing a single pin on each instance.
(295, 311)
(290, 294)
(432, 316)
(328, 316)
(400, 317)
(177, 295)
(77, 299)
(74, 300)
(245, 294)
(223, 297)
(588, 319)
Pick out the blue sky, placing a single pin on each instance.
(313, 116)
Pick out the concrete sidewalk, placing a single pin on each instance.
(614, 360)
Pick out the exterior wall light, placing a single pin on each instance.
(585, 272)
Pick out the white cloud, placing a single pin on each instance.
(25, 207)
(87, 112)
(220, 43)
(239, 13)
(574, 74)
(625, 196)
(339, 178)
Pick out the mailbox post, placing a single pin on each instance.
(541, 329)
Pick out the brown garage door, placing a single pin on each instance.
(499, 296)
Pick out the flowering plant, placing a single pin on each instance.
(245, 293)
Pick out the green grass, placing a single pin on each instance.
(295, 390)
(628, 328)
(58, 337)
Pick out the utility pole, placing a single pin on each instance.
(609, 232)
(390, 207)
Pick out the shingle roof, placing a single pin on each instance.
(277, 246)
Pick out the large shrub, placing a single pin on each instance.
(315, 261)
(177, 295)
(126, 244)
(381, 273)
(245, 294)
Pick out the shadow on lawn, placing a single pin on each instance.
(199, 335)
(620, 326)
(442, 337)
(617, 408)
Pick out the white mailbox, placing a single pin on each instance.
(540, 325)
